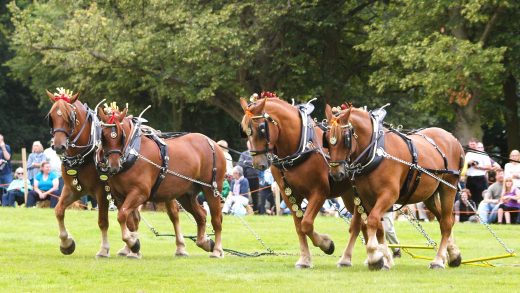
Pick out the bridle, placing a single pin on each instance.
(73, 122)
(263, 131)
(113, 135)
(333, 140)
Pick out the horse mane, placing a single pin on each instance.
(62, 106)
(269, 96)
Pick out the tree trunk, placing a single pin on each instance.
(467, 121)
(511, 113)
(176, 116)
(229, 103)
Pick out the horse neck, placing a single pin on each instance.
(289, 126)
(84, 139)
(363, 128)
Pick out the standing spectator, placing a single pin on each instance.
(390, 235)
(463, 207)
(251, 174)
(34, 162)
(477, 163)
(510, 201)
(265, 194)
(237, 199)
(15, 191)
(45, 186)
(229, 160)
(488, 207)
(55, 162)
(512, 169)
(6, 175)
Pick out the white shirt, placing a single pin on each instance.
(511, 169)
(229, 163)
(483, 160)
(54, 160)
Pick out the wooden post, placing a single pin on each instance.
(25, 174)
(276, 192)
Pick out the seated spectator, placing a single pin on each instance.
(510, 202)
(238, 199)
(284, 208)
(34, 162)
(45, 185)
(488, 207)
(15, 191)
(463, 207)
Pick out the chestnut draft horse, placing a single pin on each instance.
(73, 128)
(385, 167)
(287, 137)
(146, 168)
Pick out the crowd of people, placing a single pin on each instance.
(490, 193)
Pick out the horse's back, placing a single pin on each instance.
(446, 143)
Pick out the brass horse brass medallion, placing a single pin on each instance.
(295, 208)
(59, 112)
(333, 140)
(72, 172)
(113, 134)
(299, 213)
(288, 191)
(292, 199)
(75, 181)
(249, 131)
(357, 201)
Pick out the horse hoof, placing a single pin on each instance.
(99, 255)
(344, 265)
(385, 268)
(331, 248)
(181, 254)
(136, 247)
(211, 245)
(378, 265)
(136, 255)
(435, 266)
(302, 266)
(218, 255)
(456, 262)
(68, 250)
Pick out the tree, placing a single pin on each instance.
(452, 58)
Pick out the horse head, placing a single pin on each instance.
(62, 118)
(261, 131)
(113, 136)
(339, 139)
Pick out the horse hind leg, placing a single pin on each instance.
(172, 208)
(189, 203)
(215, 209)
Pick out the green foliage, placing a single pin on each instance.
(415, 46)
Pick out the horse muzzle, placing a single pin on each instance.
(338, 175)
(60, 149)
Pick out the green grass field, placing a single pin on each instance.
(30, 260)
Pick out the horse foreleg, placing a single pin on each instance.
(172, 208)
(129, 237)
(355, 227)
(67, 244)
(307, 226)
(104, 250)
(377, 253)
(215, 210)
(305, 260)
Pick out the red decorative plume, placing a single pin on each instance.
(64, 97)
(265, 95)
(112, 119)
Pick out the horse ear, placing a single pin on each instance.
(343, 117)
(243, 103)
(260, 106)
(51, 96)
(74, 98)
(328, 112)
(101, 114)
(122, 115)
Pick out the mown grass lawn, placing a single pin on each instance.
(30, 260)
